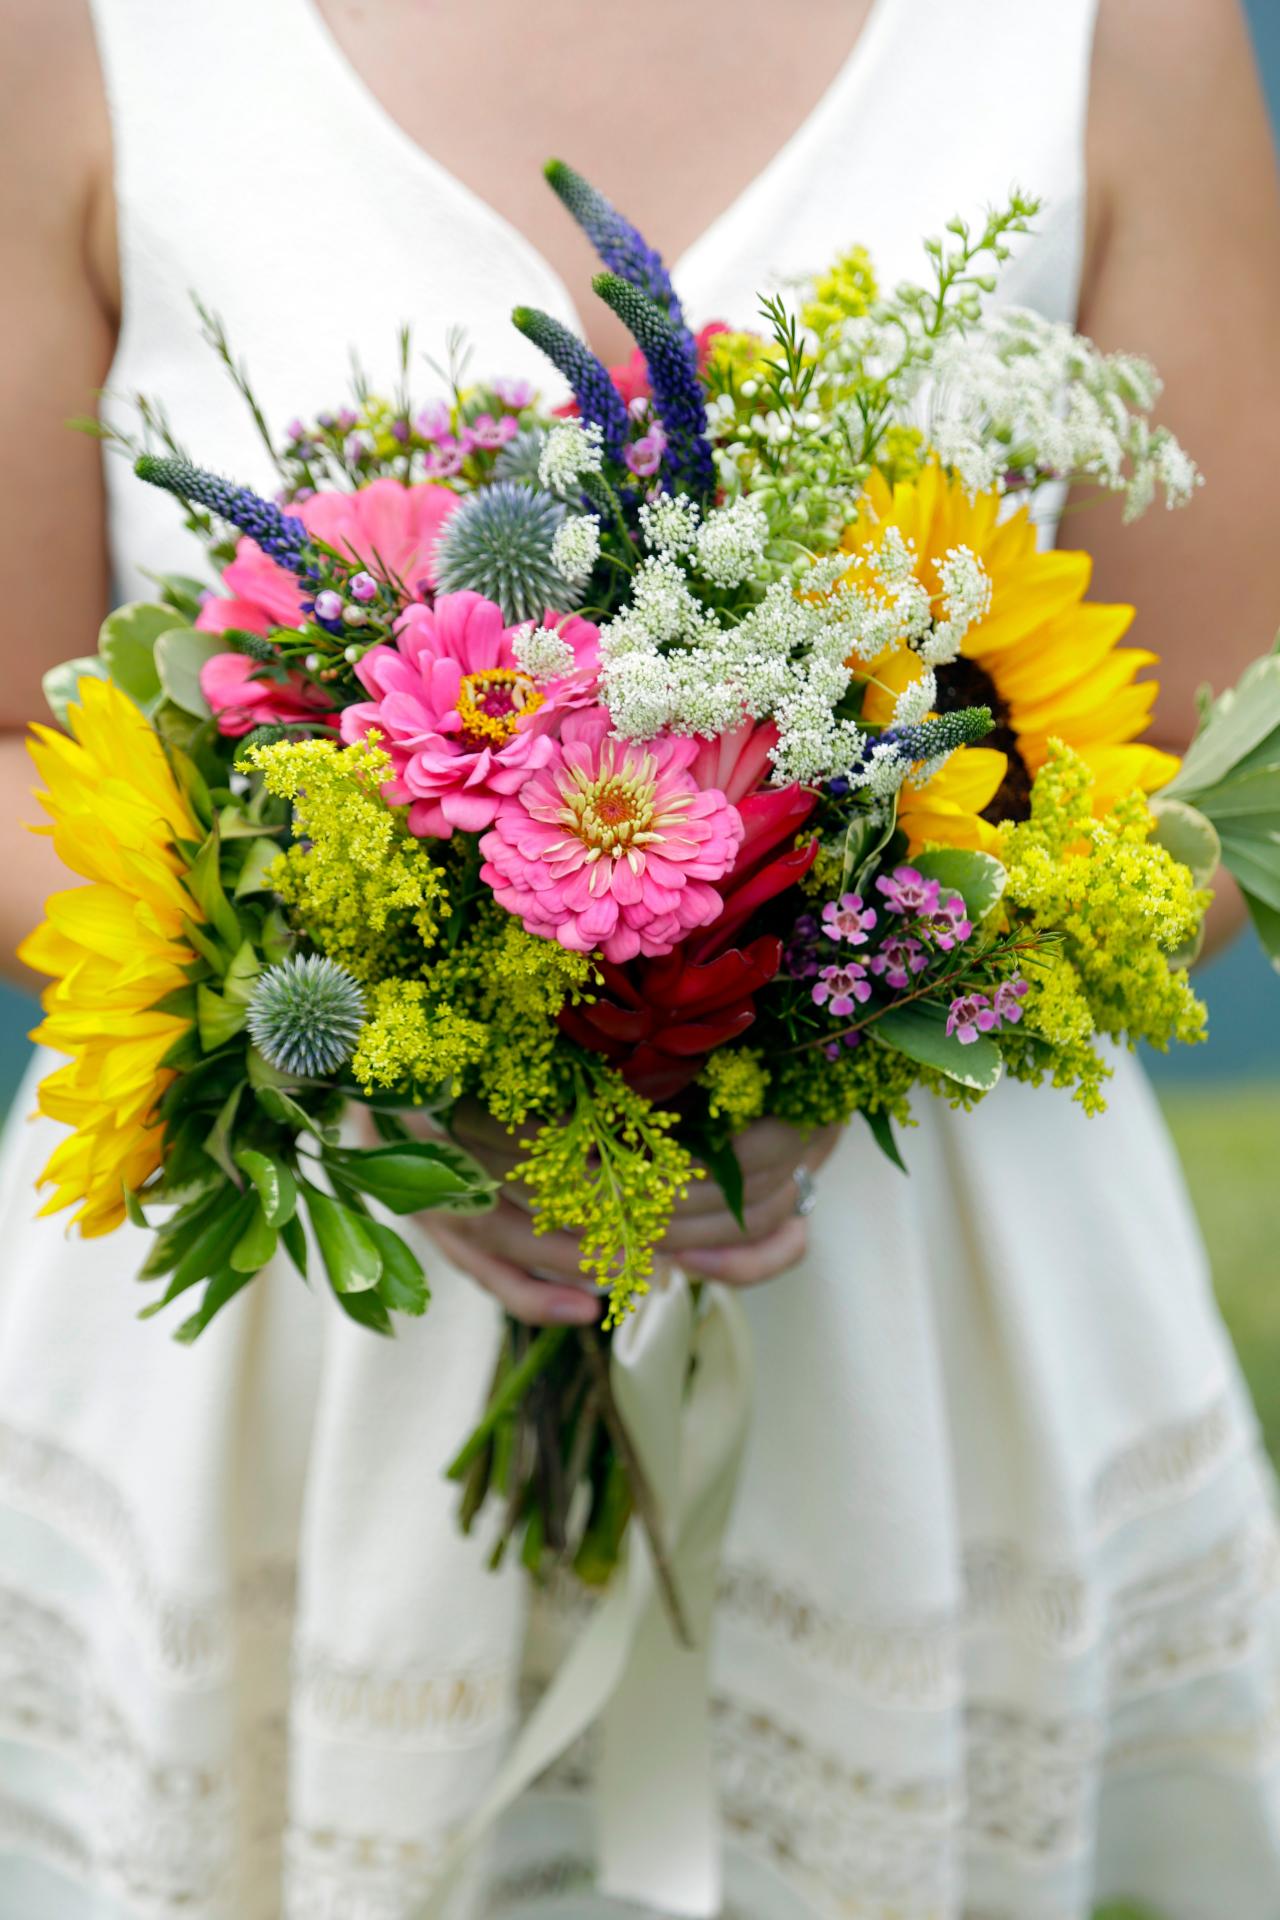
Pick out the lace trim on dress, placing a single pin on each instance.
(191, 1640)
(413, 1707)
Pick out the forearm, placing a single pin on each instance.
(31, 869)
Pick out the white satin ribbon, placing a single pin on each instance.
(657, 1821)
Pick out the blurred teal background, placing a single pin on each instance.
(1222, 1099)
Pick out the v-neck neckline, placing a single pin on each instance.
(380, 116)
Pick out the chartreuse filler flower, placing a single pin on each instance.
(721, 745)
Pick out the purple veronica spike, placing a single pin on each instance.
(281, 536)
(622, 247)
(678, 399)
(599, 401)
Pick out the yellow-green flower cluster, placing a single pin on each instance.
(844, 292)
(363, 889)
(1122, 905)
(611, 1173)
(736, 1082)
(414, 1043)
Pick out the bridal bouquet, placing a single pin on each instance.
(718, 744)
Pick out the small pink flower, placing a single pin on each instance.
(488, 433)
(897, 960)
(445, 460)
(1007, 996)
(907, 891)
(838, 988)
(435, 422)
(970, 1015)
(847, 919)
(241, 701)
(449, 702)
(611, 845)
(644, 456)
(384, 523)
(516, 394)
(947, 925)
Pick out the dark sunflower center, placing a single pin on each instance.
(965, 684)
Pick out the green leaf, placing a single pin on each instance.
(184, 594)
(61, 684)
(1238, 722)
(218, 1020)
(209, 1251)
(719, 1156)
(882, 1133)
(350, 1254)
(260, 856)
(242, 974)
(179, 655)
(204, 883)
(182, 1230)
(275, 1185)
(1254, 860)
(127, 640)
(976, 877)
(920, 1032)
(1185, 833)
(284, 1109)
(414, 1175)
(1252, 793)
(222, 1288)
(1266, 923)
(368, 1310)
(403, 1285)
(256, 1244)
(295, 1243)
(217, 1143)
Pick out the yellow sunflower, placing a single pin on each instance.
(1046, 660)
(114, 948)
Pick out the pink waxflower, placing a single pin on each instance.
(448, 702)
(907, 891)
(644, 456)
(1007, 996)
(970, 1015)
(611, 844)
(384, 524)
(897, 960)
(838, 988)
(488, 433)
(242, 701)
(947, 924)
(847, 919)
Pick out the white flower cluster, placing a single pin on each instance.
(541, 652)
(569, 451)
(576, 547)
(966, 600)
(1020, 394)
(669, 524)
(730, 543)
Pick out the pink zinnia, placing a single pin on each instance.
(448, 702)
(241, 702)
(611, 844)
(385, 525)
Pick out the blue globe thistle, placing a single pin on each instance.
(304, 1015)
(499, 544)
(518, 460)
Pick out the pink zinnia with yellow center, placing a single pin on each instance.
(611, 845)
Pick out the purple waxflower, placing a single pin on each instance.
(1007, 996)
(328, 605)
(897, 960)
(644, 456)
(800, 955)
(356, 447)
(346, 420)
(444, 461)
(948, 924)
(516, 394)
(296, 430)
(834, 1048)
(434, 422)
(847, 919)
(400, 430)
(363, 587)
(837, 988)
(907, 891)
(489, 433)
(970, 1015)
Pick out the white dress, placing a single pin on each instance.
(997, 1633)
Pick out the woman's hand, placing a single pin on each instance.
(537, 1277)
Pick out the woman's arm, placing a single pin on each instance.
(57, 336)
(1183, 264)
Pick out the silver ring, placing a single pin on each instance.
(806, 1192)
